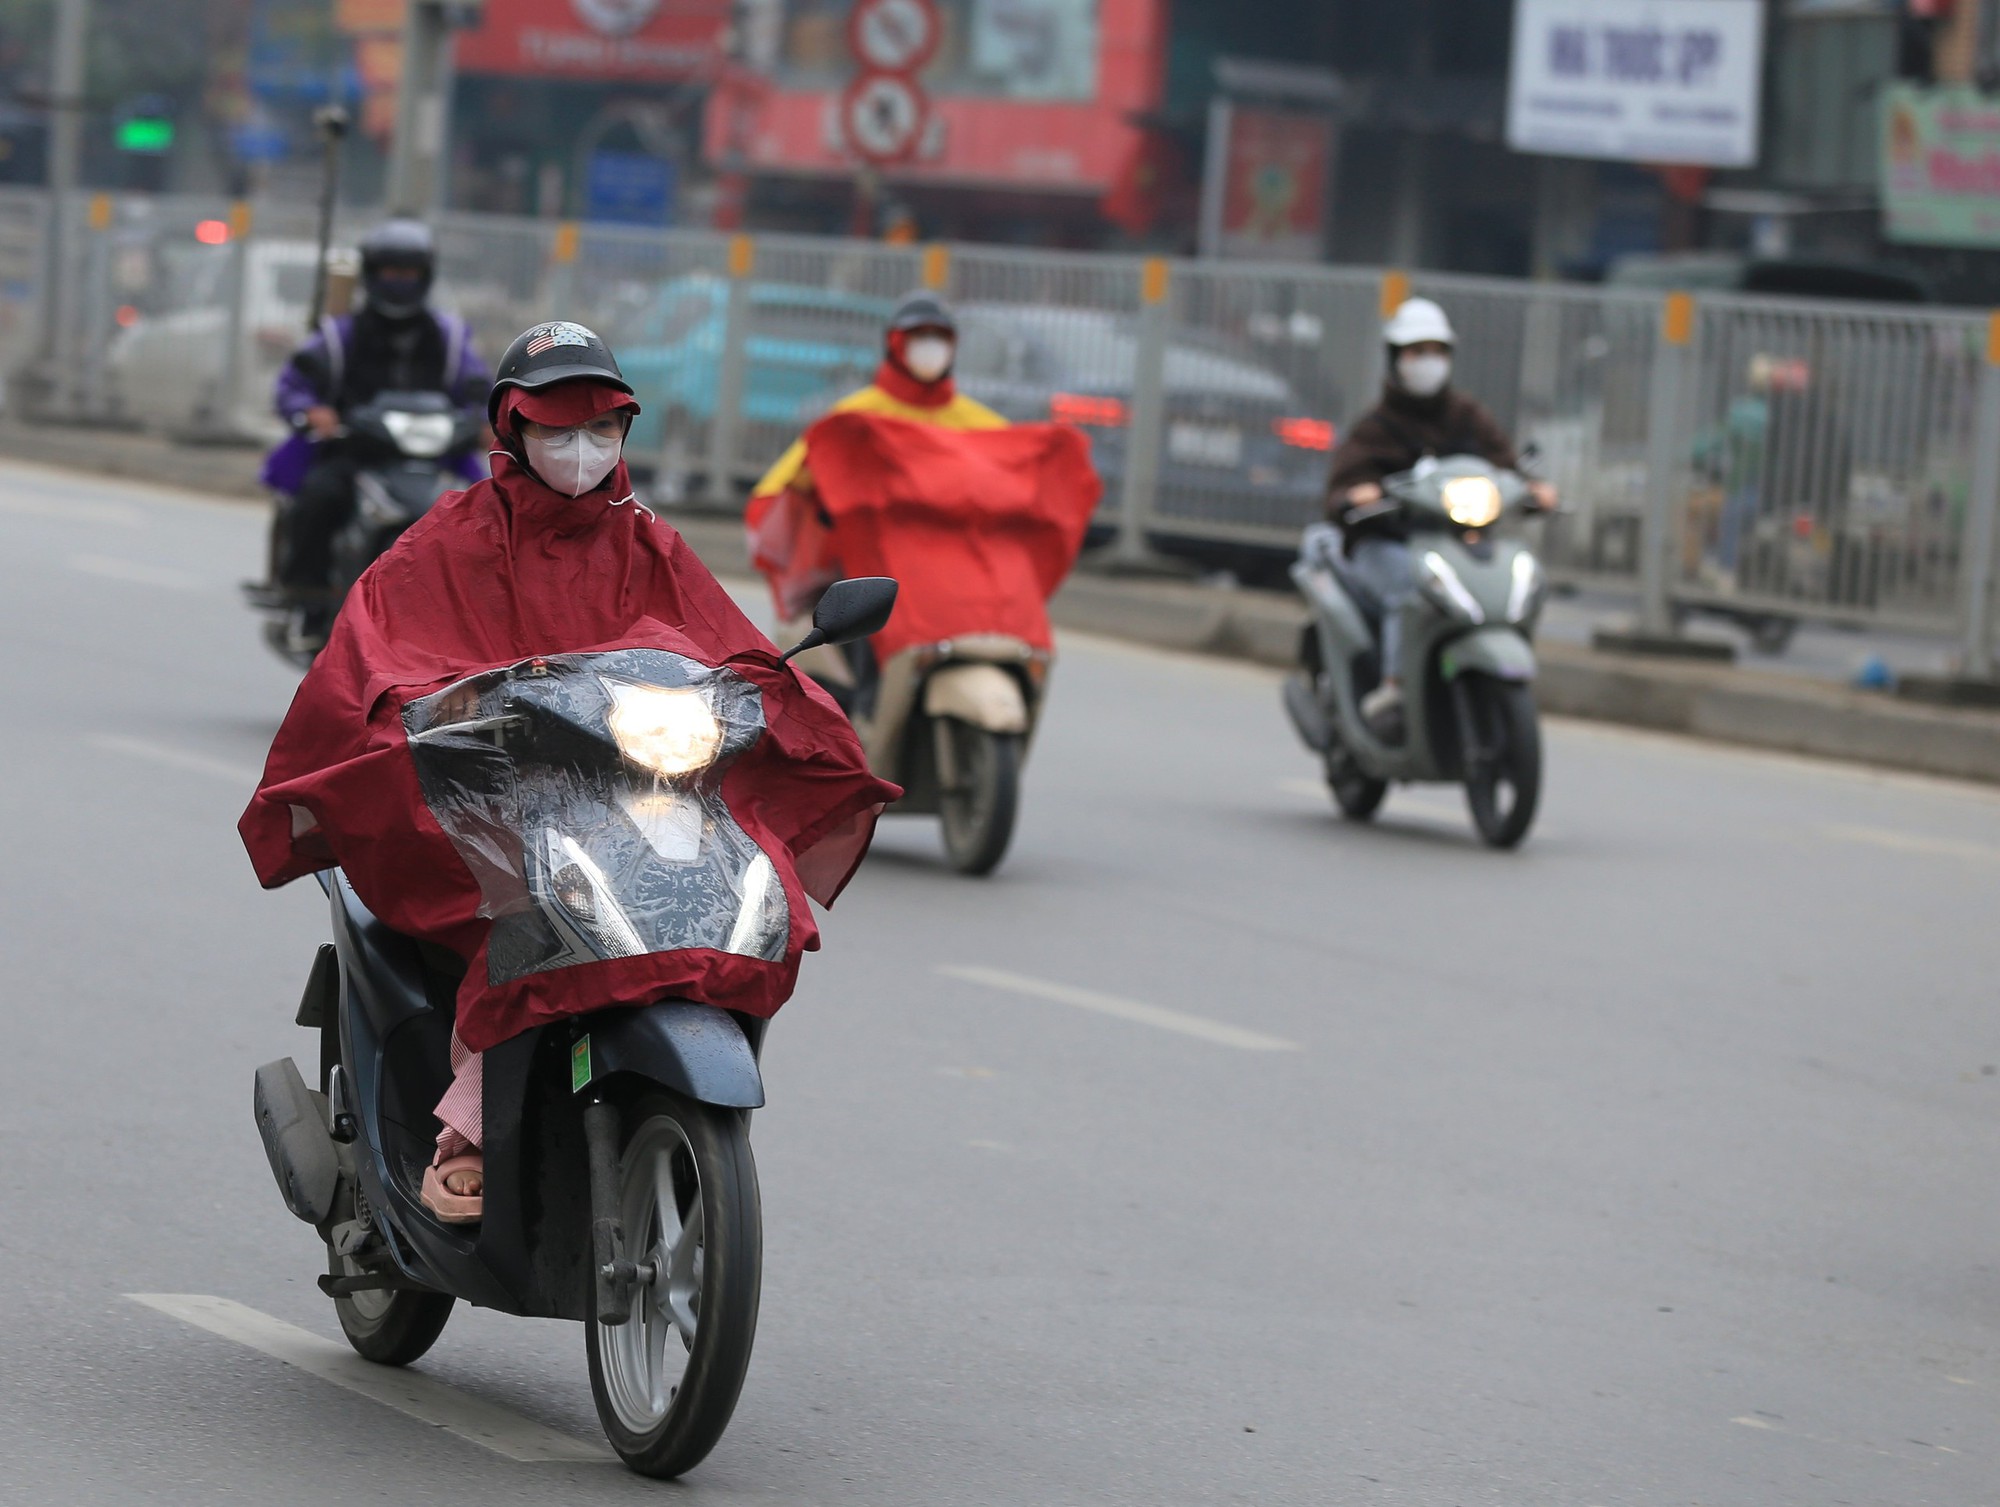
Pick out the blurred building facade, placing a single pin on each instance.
(1357, 131)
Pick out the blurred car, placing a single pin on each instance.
(1241, 451)
(806, 345)
(167, 366)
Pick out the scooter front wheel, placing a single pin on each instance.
(979, 805)
(1506, 784)
(666, 1381)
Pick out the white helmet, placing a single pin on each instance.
(1416, 321)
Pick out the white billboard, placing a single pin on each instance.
(1666, 81)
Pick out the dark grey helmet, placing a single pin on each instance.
(924, 311)
(557, 351)
(398, 246)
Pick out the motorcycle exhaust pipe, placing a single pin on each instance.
(292, 1120)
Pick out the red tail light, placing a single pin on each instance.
(1304, 434)
(1082, 408)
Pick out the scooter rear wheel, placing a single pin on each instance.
(978, 811)
(389, 1328)
(666, 1381)
(1357, 796)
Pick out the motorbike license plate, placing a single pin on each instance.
(1205, 444)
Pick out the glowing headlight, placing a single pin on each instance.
(671, 732)
(1525, 594)
(1443, 586)
(424, 435)
(1471, 501)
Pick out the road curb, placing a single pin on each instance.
(1754, 708)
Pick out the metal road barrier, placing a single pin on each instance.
(1828, 462)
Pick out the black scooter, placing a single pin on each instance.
(619, 1184)
(402, 445)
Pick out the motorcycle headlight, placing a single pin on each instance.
(1471, 501)
(1524, 596)
(1443, 586)
(671, 732)
(580, 888)
(423, 435)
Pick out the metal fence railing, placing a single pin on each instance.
(1828, 461)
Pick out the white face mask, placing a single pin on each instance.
(575, 460)
(928, 357)
(1423, 376)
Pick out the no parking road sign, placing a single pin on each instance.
(883, 115)
(893, 36)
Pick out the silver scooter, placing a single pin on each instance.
(1467, 668)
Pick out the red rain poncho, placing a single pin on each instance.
(503, 572)
(979, 525)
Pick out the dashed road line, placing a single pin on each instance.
(177, 758)
(421, 1397)
(136, 572)
(1220, 1033)
(1911, 842)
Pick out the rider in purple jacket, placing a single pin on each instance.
(396, 342)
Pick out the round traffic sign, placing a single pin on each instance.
(884, 115)
(893, 36)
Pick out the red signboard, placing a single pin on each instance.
(598, 40)
(1274, 191)
(1077, 142)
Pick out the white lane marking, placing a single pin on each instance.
(411, 1392)
(177, 758)
(137, 572)
(74, 510)
(1197, 1026)
(1911, 842)
(1755, 1423)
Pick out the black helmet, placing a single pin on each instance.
(398, 247)
(554, 352)
(924, 311)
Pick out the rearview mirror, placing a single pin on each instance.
(849, 610)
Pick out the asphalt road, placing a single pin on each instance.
(1652, 1165)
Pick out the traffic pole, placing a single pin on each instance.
(1148, 418)
(725, 428)
(423, 103)
(1981, 532)
(1668, 446)
(66, 80)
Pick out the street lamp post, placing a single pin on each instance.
(423, 102)
(58, 334)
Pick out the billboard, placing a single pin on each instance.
(1660, 81)
(1270, 204)
(1940, 166)
(657, 41)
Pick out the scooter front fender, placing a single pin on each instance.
(695, 1050)
(1500, 652)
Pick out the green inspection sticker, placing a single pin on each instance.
(579, 1066)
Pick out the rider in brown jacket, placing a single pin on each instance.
(1420, 414)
